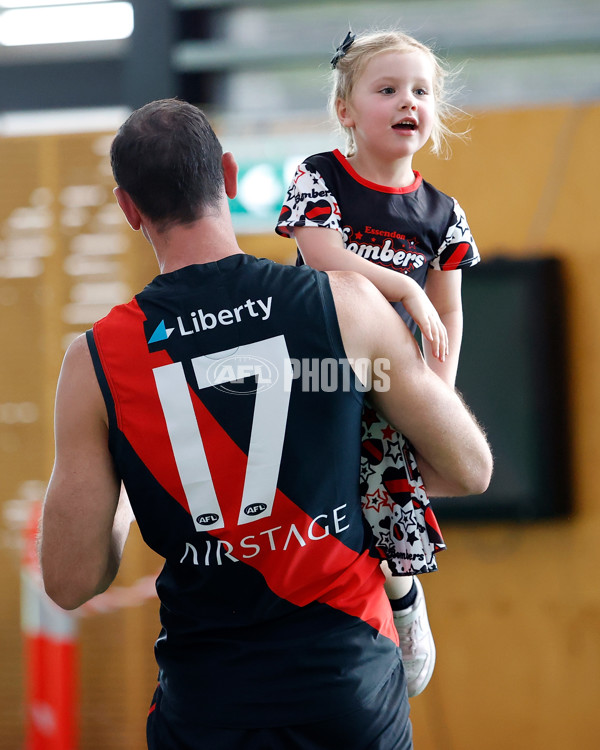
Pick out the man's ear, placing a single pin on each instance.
(128, 207)
(343, 113)
(230, 174)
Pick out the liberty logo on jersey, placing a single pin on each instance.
(200, 320)
(161, 333)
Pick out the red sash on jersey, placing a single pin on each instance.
(325, 570)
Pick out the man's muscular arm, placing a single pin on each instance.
(455, 458)
(85, 518)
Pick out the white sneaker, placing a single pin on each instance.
(416, 643)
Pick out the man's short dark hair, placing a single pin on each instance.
(169, 160)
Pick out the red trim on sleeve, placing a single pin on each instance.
(457, 257)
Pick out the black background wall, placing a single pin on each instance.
(513, 374)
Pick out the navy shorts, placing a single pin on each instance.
(381, 724)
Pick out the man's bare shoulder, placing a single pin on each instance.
(78, 349)
(78, 384)
(353, 293)
(77, 362)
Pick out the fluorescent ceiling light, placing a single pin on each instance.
(70, 23)
(38, 3)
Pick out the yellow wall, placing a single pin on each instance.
(515, 608)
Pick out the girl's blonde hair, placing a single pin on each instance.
(350, 66)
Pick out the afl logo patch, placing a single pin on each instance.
(255, 509)
(207, 519)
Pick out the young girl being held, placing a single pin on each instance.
(368, 211)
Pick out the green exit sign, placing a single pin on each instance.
(262, 186)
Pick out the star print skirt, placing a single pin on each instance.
(394, 500)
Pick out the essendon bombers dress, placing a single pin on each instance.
(242, 470)
(408, 230)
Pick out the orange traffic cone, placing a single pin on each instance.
(51, 658)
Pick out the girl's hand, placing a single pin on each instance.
(426, 317)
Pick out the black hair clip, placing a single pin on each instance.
(342, 49)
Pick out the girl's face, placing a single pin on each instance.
(392, 107)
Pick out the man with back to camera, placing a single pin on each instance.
(276, 630)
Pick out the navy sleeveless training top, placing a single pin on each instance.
(235, 428)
